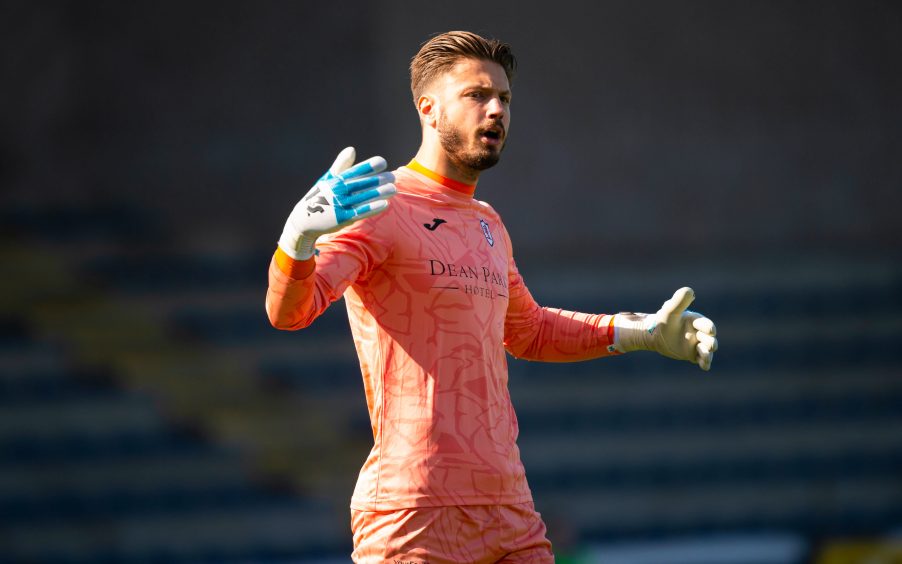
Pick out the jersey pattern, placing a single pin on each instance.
(434, 299)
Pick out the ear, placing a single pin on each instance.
(426, 107)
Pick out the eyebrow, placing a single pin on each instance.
(480, 87)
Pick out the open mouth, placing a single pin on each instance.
(492, 136)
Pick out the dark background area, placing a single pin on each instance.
(730, 127)
(151, 151)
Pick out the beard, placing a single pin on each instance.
(468, 155)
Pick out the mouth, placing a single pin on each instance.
(493, 135)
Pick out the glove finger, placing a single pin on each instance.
(709, 342)
(705, 360)
(380, 193)
(687, 322)
(692, 315)
(369, 166)
(675, 306)
(367, 210)
(344, 159)
(705, 325)
(352, 186)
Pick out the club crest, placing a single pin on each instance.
(486, 232)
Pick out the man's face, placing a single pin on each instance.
(473, 113)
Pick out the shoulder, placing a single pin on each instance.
(489, 213)
(405, 179)
(486, 208)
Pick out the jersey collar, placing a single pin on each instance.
(466, 189)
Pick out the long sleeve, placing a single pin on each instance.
(299, 292)
(533, 332)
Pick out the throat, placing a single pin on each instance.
(464, 174)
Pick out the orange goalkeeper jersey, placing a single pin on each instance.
(434, 298)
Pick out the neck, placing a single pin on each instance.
(435, 159)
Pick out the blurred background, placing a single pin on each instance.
(150, 152)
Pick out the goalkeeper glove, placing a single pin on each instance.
(343, 195)
(673, 331)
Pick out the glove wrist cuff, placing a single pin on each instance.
(298, 248)
(633, 332)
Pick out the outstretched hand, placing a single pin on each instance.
(683, 334)
(344, 194)
(673, 331)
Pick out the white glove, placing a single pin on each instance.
(673, 331)
(343, 195)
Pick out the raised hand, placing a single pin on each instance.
(341, 196)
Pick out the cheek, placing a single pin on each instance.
(461, 120)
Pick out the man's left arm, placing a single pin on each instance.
(533, 332)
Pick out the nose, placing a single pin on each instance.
(495, 108)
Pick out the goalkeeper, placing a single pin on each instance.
(434, 300)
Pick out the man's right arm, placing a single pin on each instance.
(290, 298)
(299, 291)
(301, 287)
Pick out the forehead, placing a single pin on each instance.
(475, 72)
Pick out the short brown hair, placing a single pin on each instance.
(443, 51)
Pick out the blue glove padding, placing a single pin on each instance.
(343, 195)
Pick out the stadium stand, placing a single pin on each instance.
(149, 413)
(121, 437)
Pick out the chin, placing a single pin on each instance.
(483, 160)
(490, 161)
(487, 154)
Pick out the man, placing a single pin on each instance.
(434, 299)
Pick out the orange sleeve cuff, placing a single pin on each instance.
(297, 269)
